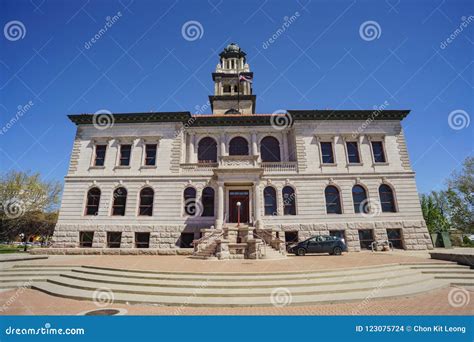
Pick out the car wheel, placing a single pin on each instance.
(337, 251)
(301, 252)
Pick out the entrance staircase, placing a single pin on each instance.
(239, 289)
(238, 242)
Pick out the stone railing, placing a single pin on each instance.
(193, 167)
(279, 166)
(236, 162)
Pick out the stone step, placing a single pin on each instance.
(203, 291)
(443, 266)
(280, 298)
(233, 276)
(210, 283)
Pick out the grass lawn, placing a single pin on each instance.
(10, 249)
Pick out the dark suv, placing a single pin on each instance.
(319, 244)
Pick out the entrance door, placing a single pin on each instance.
(241, 196)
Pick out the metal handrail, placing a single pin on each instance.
(375, 244)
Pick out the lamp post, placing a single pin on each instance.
(238, 213)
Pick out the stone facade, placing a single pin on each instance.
(300, 165)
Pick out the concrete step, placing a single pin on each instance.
(280, 297)
(234, 276)
(210, 283)
(250, 291)
(440, 266)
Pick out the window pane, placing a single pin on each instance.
(120, 201)
(142, 240)
(150, 154)
(270, 149)
(100, 155)
(377, 148)
(366, 238)
(289, 201)
(333, 201)
(85, 239)
(353, 152)
(208, 202)
(146, 202)
(207, 150)
(359, 198)
(387, 200)
(269, 196)
(114, 239)
(93, 200)
(326, 153)
(238, 147)
(190, 201)
(125, 151)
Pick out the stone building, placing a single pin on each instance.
(155, 180)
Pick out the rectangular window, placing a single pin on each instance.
(395, 237)
(377, 149)
(353, 152)
(85, 239)
(125, 151)
(100, 155)
(366, 237)
(142, 240)
(114, 239)
(291, 236)
(327, 153)
(150, 154)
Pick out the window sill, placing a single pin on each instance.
(379, 164)
(95, 167)
(355, 164)
(328, 164)
(145, 167)
(122, 167)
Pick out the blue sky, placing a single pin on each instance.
(323, 60)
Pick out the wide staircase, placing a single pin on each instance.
(238, 289)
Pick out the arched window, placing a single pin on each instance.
(93, 199)
(238, 146)
(269, 196)
(387, 199)
(208, 202)
(289, 201)
(120, 201)
(333, 200)
(270, 149)
(190, 201)
(359, 197)
(146, 202)
(207, 150)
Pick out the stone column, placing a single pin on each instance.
(191, 148)
(222, 144)
(257, 206)
(220, 205)
(285, 156)
(254, 144)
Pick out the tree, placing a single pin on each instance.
(28, 205)
(434, 208)
(460, 197)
